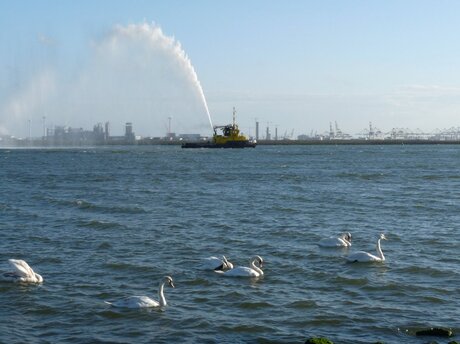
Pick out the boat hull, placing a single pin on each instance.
(228, 144)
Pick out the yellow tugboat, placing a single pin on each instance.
(230, 138)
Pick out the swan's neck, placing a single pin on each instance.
(343, 237)
(256, 268)
(379, 250)
(161, 295)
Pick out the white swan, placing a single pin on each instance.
(215, 263)
(362, 256)
(342, 241)
(242, 271)
(22, 273)
(145, 301)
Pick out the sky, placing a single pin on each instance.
(293, 65)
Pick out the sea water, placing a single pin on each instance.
(103, 223)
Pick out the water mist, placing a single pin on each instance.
(135, 73)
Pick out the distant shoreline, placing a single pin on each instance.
(332, 142)
(351, 142)
(357, 142)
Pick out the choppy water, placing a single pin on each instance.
(104, 223)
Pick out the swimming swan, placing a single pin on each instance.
(22, 273)
(362, 256)
(342, 241)
(217, 264)
(242, 271)
(145, 301)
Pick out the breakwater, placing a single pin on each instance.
(356, 142)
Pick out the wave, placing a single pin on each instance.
(248, 329)
(361, 176)
(328, 320)
(43, 310)
(303, 304)
(427, 271)
(86, 205)
(432, 177)
(124, 266)
(255, 305)
(112, 314)
(104, 245)
(434, 299)
(342, 280)
(98, 224)
(198, 282)
(101, 178)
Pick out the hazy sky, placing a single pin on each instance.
(297, 65)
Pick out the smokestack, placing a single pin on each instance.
(107, 132)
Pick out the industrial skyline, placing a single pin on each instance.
(101, 134)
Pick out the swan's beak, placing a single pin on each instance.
(171, 284)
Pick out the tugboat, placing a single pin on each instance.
(230, 138)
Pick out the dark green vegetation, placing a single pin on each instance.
(318, 340)
(436, 332)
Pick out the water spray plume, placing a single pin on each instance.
(135, 73)
(156, 37)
